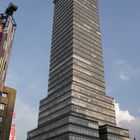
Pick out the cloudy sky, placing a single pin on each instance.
(29, 64)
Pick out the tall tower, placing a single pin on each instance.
(7, 94)
(77, 107)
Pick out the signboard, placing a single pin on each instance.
(6, 39)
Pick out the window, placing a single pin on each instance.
(3, 95)
(1, 119)
(2, 106)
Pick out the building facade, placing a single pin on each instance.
(77, 107)
(7, 102)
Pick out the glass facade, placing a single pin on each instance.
(108, 132)
(76, 105)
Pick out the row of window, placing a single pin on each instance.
(61, 31)
(74, 120)
(88, 84)
(54, 102)
(91, 93)
(59, 50)
(89, 29)
(92, 22)
(61, 105)
(87, 77)
(3, 95)
(61, 27)
(91, 79)
(89, 8)
(94, 115)
(60, 86)
(88, 57)
(63, 58)
(75, 56)
(117, 131)
(1, 119)
(93, 107)
(2, 106)
(79, 34)
(62, 39)
(82, 26)
(56, 124)
(55, 108)
(71, 128)
(83, 122)
(61, 74)
(57, 57)
(62, 69)
(57, 94)
(92, 3)
(88, 50)
(88, 72)
(61, 15)
(60, 64)
(59, 7)
(114, 137)
(54, 115)
(61, 80)
(83, 104)
(94, 46)
(85, 14)
(88, 67)
(86, 61)
(62, 43)
(92, 98)
(84, 131)
(79, 138)
(92, 50)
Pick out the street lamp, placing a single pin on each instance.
(11, 9)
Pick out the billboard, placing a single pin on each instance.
(6, 38)
(1, 44)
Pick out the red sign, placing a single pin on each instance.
(13, 128)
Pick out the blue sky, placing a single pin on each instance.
(29, 62)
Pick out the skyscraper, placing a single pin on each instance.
(77, 107)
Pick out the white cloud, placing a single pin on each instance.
(126, 71)
(124, 77)
(26, 119)
(126, 120)
(122, 115)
